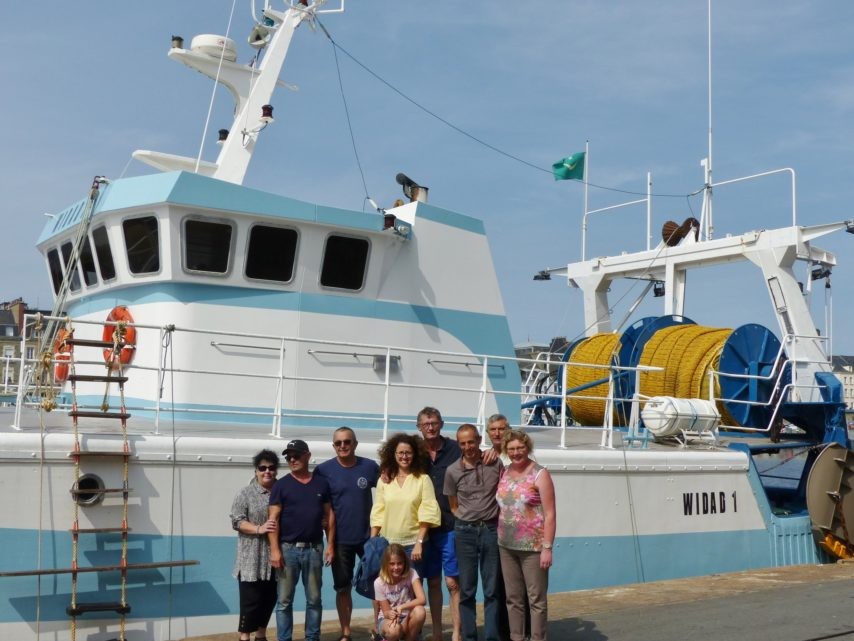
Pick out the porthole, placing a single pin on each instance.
(89, 490)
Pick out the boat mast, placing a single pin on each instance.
(706, 224)
(251, 96)
(252, 89)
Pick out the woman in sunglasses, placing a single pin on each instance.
(256, 581)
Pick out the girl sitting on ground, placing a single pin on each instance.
(400, 596)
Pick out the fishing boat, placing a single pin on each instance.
(197, 321)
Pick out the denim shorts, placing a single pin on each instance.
(441, 554)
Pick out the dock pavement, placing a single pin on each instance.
(795, 603)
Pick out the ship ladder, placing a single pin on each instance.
(80, 456)
(92, 496)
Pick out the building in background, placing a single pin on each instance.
(11, 329)
(843, 367)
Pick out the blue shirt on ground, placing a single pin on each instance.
(302, 508)
(350, 488)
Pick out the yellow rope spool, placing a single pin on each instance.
(712, 362)
(690, 344)
(687, 354)
(596, 350)
(696, 361)
(656, 353)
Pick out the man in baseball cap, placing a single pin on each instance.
(301, 502)
(296, 446)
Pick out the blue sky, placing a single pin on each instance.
(83, 88)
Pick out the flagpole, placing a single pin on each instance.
(710, 226)
(649, 210)
(586, 188)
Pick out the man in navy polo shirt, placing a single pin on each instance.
(440, 553)
(300, 502)
(350, 479)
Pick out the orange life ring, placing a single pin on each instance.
(62, 355)
(126, 339)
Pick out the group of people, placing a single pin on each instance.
(446, 507)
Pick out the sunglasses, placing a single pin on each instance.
(267, 468)
(346, 442)
(293, 457)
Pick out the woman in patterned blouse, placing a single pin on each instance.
(256, 581)
(526, 532)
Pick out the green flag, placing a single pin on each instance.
(571, 168)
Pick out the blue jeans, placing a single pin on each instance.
(477, 546)
(308, 562)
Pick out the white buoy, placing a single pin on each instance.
(669, 416)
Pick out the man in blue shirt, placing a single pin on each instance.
(350, 479)
(441, 556)
(300, 502)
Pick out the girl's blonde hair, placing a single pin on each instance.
(393, 549)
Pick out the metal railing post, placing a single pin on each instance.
(563, 417)
(608, 419)
(387, 392)
(481, 413)
(160, 381)
(280, 390)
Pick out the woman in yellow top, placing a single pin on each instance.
(405, 505)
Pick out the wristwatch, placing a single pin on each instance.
(547, 546)
(420, 541)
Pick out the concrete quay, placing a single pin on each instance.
(795, 603)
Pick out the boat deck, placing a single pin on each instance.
(58, 422)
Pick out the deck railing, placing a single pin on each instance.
(385, 359)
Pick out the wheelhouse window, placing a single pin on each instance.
(67, 251)
(87, 264)
(207, 246)
(344, 262)
(272, 253)
(142, 245)
(104, 254)
(55, 270)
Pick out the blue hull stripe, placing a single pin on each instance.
(209, 589)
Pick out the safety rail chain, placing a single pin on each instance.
(89, 496)
(384, 356)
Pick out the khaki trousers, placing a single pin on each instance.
(523, 574)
